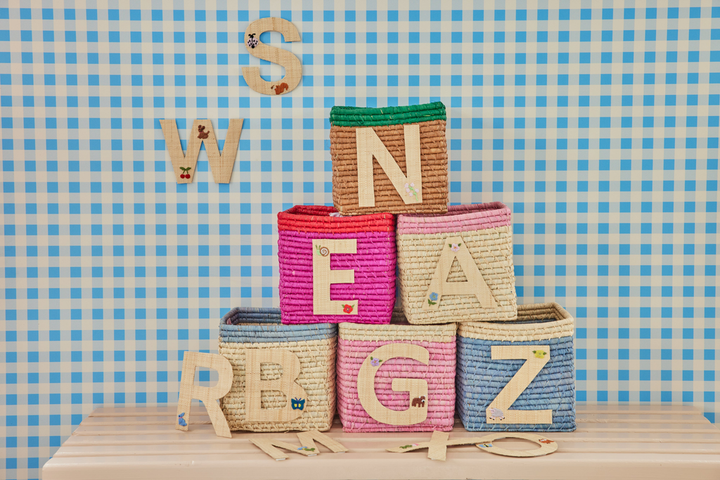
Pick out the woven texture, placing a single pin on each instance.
(373, 264)
(487, 234)
(357, 342)
(480, 379)
(315, 347)
(388, 125)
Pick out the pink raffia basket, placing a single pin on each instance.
(306, 235)
(357, 343)
(457, 266)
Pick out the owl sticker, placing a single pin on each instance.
(298, 403)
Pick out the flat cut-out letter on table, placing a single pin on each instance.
(208, 395)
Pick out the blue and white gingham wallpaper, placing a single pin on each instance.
(597, 122)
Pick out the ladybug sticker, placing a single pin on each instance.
(252, 42)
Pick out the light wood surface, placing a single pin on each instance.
(254, 385)
(612, 442)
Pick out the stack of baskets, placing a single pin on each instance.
(459, 329)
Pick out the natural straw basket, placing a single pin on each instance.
(373, 264)
(388, 124)
(480, 378)
(357, 342)
(486, 232)
(243, 329)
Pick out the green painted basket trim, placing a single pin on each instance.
(366, 117)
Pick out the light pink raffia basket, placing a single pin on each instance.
(430, 248)
(357, 342)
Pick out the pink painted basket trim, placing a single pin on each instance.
(459, 218)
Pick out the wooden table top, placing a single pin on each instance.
(611, 442)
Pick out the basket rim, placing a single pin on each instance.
(560, 321)
(456, 213)
(319, 218)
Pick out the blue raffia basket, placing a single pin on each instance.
(480, 378)
(315, 345)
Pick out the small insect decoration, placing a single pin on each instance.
(539, 353)
(375, 362)
(186, 172)
(546, 441)
(347, 308)
(202, 134)
(181, 420)
(484, 445)
(322, 251)
(298, 403)
(252, 42)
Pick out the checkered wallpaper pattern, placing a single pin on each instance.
(596, 122)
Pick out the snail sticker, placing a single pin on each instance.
(322, 251)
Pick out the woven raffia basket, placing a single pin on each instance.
(480, 378)
(388, 123)
(483, 230)
(357, 342)
(371, 295)
(243, 329)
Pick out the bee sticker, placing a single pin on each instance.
(181, 420)
(298, 403)
(539, 353)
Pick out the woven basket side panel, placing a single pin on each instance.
(491, 249)
(434, 166)
(480, 379)
(317, 377)
(440, 375)
(374, 286)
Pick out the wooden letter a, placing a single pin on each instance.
(455, 247)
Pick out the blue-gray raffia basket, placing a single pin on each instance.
(314, 344)
(480, 379)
